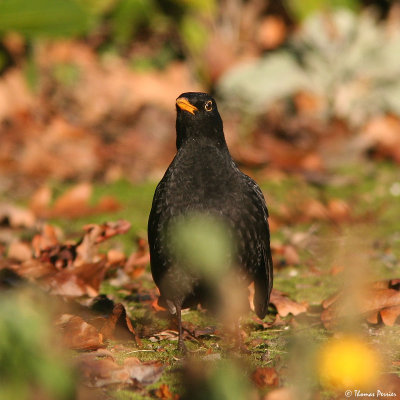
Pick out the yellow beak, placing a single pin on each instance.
(183, 103)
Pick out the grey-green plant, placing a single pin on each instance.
(350, 62)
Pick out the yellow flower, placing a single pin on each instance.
(348, 363)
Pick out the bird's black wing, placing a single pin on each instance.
(260, 252)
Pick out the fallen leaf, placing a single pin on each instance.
(40, 201)
(20, 251)
(65, 283)
(145, 374)
(73, 201)
(119, 318)
(338, 210)
(379, 301)
(91, 274)
(264, 377)
(336, 269)
(280, 394)
(104, 372)
(115, 256)
(272, 32)
(48, 238)
(138, 260)
(16, 217)
(314, 209)
(382, 134)
(389, 315)
(164, 335)
(284, 305)
(34, 269)
(163, 392)
(77, 334)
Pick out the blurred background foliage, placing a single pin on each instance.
(104, 74)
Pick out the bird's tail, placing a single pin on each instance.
(262, 289)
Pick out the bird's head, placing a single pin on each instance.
(198, 119)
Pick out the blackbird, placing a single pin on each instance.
(203, 178)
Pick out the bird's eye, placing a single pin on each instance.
(208, 106)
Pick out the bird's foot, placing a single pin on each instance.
(182, 347)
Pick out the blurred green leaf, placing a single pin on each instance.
(44, 17)
(97, 7)
(199, 5)
(66, 74)
(29, 357)
(194, 34)
(304, 8)
(202, 243)
(128, 16)
(31, 73)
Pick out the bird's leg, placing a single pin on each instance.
(181, 344)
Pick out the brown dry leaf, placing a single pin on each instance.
(338, 210)
(46, 239)
(84, 280)
(164, 393)
(74, 201)
(264, 377)
(20, 251)
(382, 134)
(87, 251)
(272, 32)
(314, 209)
(34, 269)
(115, 257)
(65, 283)
(307, 102)
(16, 217)
(108, 229)
(146, 373)
(336, 269)
(137, 261)
(280, 394)
(284, 305)
(15, 95)
(106, 204)
(78, 334)
(104, 372)
(389, 315)
(164, 335)
(291, 255)
(61, 255)
(92, 275)
(60, 150)
(40, 201)
(119, 319)
(380, 299)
